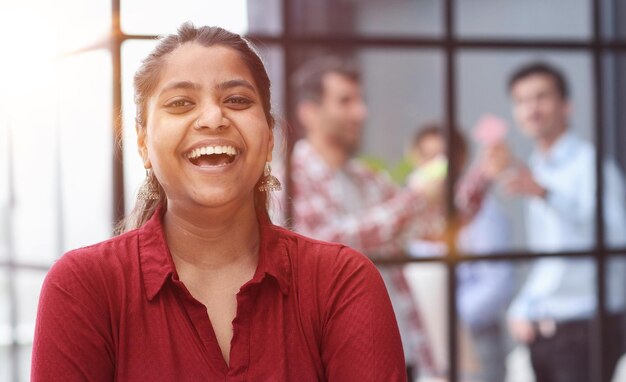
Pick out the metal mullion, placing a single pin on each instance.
(412, 42)
(418, 42)
(288, 65)
(403, 258)
(597, 342)
(118, 153)
(451, 260)
(24, 266)
(437, 42)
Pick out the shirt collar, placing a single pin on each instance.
(157, 264)
(274, 257)
(560, 151)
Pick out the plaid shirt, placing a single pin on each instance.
(364, 210)
(353, 205)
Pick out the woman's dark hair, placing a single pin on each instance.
(148, 75)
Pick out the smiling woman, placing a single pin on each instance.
(200, 285)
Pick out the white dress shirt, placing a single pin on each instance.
(565, 288)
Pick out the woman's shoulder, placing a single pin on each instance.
(314, 254)
(103, 261)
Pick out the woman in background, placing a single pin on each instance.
(201, 286)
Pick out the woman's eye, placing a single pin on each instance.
(178, 103)
(239, 101)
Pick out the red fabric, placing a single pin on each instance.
(313, 311)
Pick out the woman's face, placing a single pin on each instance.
(207, 137)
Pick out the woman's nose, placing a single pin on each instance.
(211, 117)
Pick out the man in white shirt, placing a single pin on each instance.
(553, 312)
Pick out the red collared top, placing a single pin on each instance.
(117, 311)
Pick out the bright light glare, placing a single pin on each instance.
(28, 51)
(162, 17)
(38, 33)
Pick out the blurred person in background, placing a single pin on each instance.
(339, 199)
(484, 288)
(200, 286)
(554, 310)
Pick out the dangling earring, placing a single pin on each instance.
(269, 181)
(148, 190)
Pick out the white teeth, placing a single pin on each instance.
(209, 150)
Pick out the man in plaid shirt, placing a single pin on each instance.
(335, 198)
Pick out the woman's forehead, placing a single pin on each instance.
(204, 65)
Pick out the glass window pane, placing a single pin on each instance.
(25, 352)
(265, 16)
(5, 363)
(34, 118)
(54, 193)
(368, 17)
(612, 13)
(6, 332)
(28, 285)
(523, 19)
(35, 178)
(52, 28)
(85, 145)
(529, 320)
(614, 68)
(273, 56)
(5, 197)
(425, 337)
(615, 348)
(166, 17)
(484, 292)
(487, 73)
(6, 306)
(403, 89)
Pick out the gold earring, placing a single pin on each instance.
(148, 190)
(269, 181)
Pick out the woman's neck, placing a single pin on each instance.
(211, 239)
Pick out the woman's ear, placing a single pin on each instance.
(142, 146)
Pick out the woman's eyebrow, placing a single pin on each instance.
(235, 83)
(221, 86)
(180, 85)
